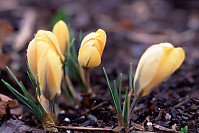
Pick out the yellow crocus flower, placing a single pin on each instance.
(49, 70)
(91, 49)
(157, 63)
(60, 30)
(45, 64)
(51, 39)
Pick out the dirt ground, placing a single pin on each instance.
(131, 27)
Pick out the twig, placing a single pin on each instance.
(182, 102)
(93, 108)
(164, 128)
(85, 129)
(139, 108)
(159, 115)
(136, 126)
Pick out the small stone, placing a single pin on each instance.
(68, 131)
(92, 118)
(82, 117)
(168, 117)
(185, 118)
(67, 120)
(149, 124)
(62, 112)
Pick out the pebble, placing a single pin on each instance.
(68, 131)
(167, 117)
(92, 118)
(67, 119)
(149, 124)
(185, 118)
(62, 112)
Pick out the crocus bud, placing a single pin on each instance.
(51, 39)
(32, 58)
(91, 49)
(49, 72)
(156, 64)
(60, 30)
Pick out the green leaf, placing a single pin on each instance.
(184, 130)
(68, 50)
(120, 86)
(78, 74)
(32, 103)
(130, 78)
(31, 76)
(23, 99)
(39, 93)
(111, 91)
(117, 100)
(125, 115)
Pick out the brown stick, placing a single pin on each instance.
(85, 128)
(182, 102)
(93, 108)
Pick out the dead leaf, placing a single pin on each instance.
(6, 104)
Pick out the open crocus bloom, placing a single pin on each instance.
(60, 30)
(156, 64)
(91, 49)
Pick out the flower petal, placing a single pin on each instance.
(89, 57)
(102, 36)
(60, 30)
(171, 61)
(49, 72)
(51, 39)
(32, 58)
(147, 68)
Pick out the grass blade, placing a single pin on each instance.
(130, 78)
(111, 91)
(125, 113)
(78, 74)
(117, 100)
(68, 50)
(38, 92)
(120, 87)
(30, 99)
(31, 76)
(23, 99)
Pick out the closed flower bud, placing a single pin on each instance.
(91, 49)
(49, 72)
(51, 39)
(156, 64)
(60, 30)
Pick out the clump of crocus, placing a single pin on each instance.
(60, 30)
(156, 64)
(91, 49)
